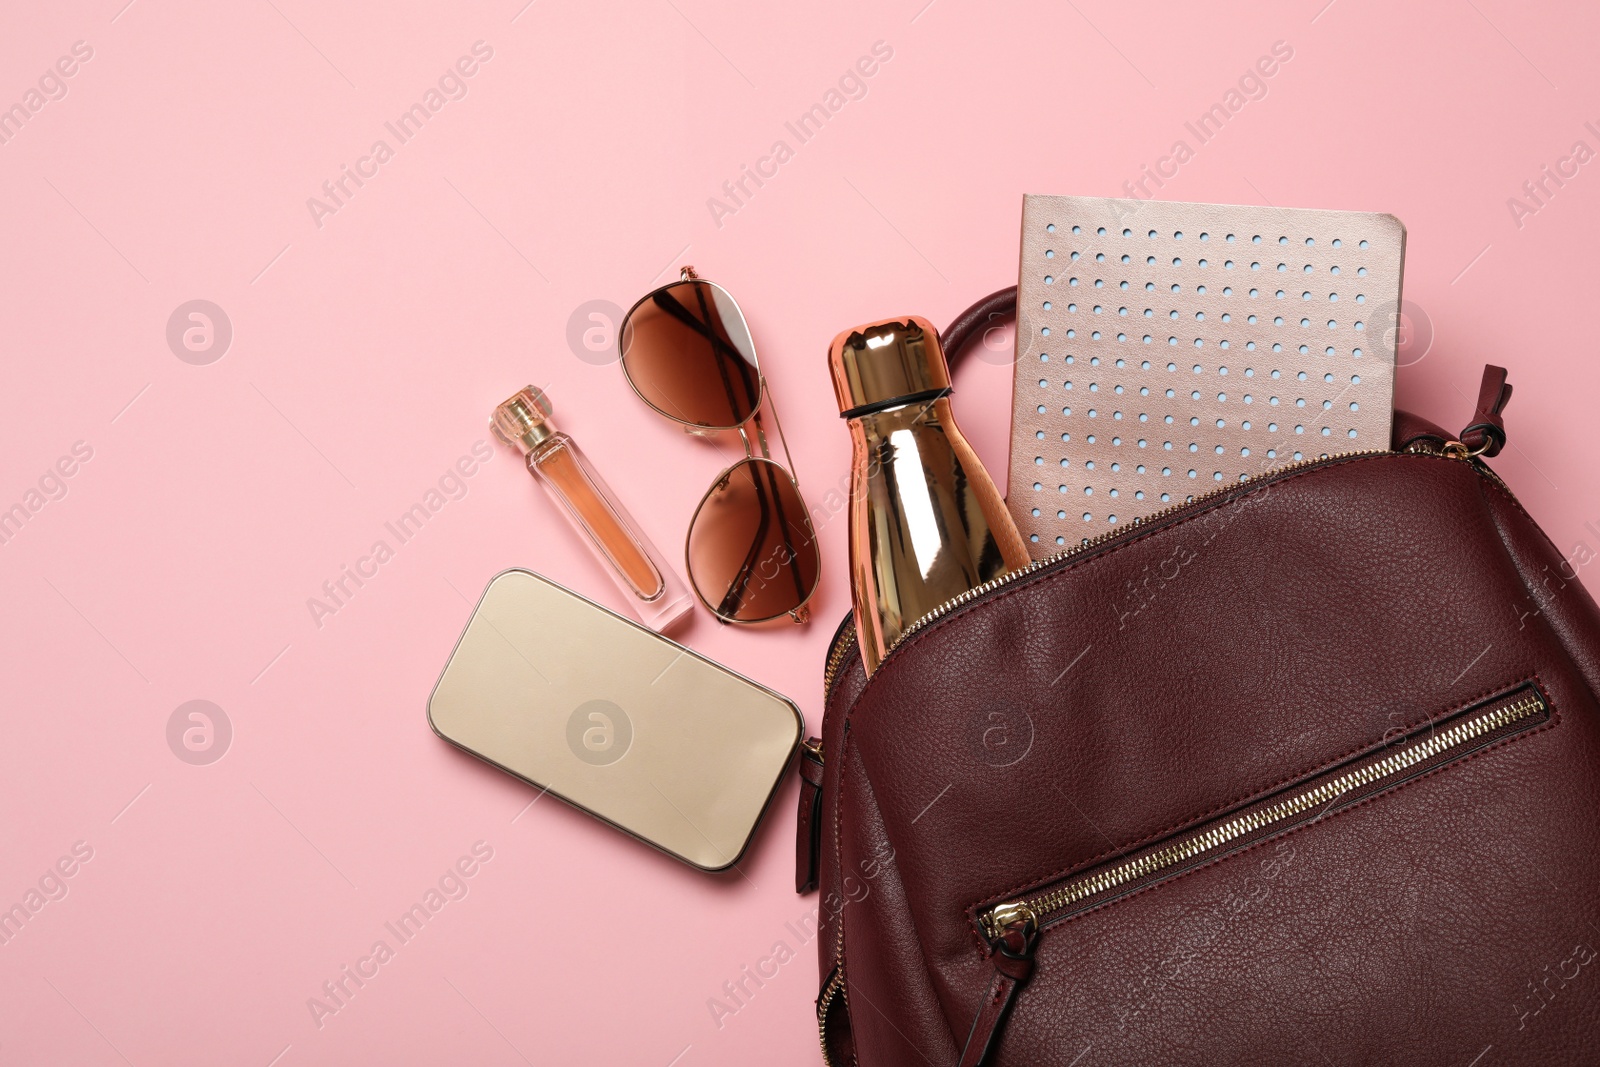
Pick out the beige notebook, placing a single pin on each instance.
(1165, 350)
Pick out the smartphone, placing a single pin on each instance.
(616, 720)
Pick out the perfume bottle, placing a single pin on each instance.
(654, 593)
(926, 522)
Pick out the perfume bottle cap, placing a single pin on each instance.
(523, 421)
(885, 364)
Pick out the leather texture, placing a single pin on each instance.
(1191, 665)
(1000, 304)
(805, 860)
(1487, 431)
(1012, 957)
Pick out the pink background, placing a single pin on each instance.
(366, 356)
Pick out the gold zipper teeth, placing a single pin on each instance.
(835, 987)
(836, 659)
(1101, 538)
(1326, 793)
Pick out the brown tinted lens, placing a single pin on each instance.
(752, 553)
(687, 351)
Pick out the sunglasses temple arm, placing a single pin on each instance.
(703, 328)
(737, 589)
(783, 526)
(761, 437)
(788, 464)
(733, 599)
(681, 313)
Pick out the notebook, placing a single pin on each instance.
(1165, 350)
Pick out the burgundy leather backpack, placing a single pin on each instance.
(1304, 771)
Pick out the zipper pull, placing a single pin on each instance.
(1014, 914)
(1013, 929)
(1460, 450)
(1486, 434)
(808, 824)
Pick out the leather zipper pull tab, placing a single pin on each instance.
(1486, 434)
(1012, 955)
(808, 823)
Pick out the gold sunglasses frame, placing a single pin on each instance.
(801, 612)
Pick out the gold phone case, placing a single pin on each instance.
(615, 719)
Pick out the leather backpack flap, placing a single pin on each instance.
(1314, 621)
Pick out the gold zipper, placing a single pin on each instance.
(1077, 894)
(837, 655)
(1021, 911)
(834, 988)
(846, 640)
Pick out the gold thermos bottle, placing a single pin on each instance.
(926, 522)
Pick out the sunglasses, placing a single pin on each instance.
(751, 553)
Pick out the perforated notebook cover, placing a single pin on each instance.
(1166, 349)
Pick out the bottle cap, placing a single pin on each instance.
(885, 364)
(523, 421)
